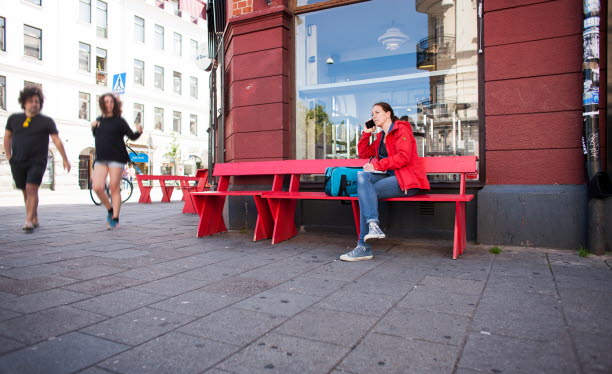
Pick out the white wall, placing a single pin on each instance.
(62, 80)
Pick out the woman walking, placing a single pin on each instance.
(111, 155)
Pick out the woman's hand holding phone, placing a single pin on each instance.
(370, 126)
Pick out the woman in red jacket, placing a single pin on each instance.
(394, 170)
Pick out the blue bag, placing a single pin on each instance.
(341, 181)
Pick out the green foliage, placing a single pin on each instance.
(495, 250)
(583, 251)
(174, 148)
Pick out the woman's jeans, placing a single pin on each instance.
(370, 188)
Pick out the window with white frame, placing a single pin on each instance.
(102, 19)
(101, 62)
(32, 42)
(177, 82)
(193, 124)
(193, 49)
(2, 34)
(178, 44)
(158, 114)
(97, 105)
(84, 57)
(193, 87)
(176, 121)
(85, 10)
(84, 106)
(35, 2)
(138, 114)
(139, 29)
(158, 80)
(159, 37)
(139, 72)
(2, 92)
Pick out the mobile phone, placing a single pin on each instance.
(370, 124)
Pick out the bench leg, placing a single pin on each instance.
(145, 195)
(283, 212)
(188, 206)
(167, 193)
(264, 225)
(459, 241)
(210, 210)
(355, 204)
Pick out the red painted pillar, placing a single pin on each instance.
(258, 86)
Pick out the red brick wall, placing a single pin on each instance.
(533, 91)
(239, 7)
(259, 108)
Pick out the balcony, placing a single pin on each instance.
(433, 50)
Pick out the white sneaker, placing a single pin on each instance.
(374, 233)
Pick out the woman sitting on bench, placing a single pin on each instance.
(394, 170)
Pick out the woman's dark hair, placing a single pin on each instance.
(116, 107)
(387, 108)
(28, 92)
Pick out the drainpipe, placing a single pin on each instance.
(598, 181)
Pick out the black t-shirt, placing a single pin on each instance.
(109, 139)
(30, 143)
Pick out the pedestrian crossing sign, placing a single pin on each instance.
(119, 83)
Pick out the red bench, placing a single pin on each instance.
(184, 184)
(276, 208)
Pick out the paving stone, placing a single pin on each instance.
(418, 324)
(87, 261)
(64, 354)
(379, 353)
(518, 301)
(500, 354)
(382, 286)
(342, 270)
(95, 370)
(172, 353)
(460, 286)
(359, 302)
(588, 311)
(118, 302)
(91, 272)
(210, 273)
(234, 326)
(276, 353)
(594, 351)
(103, 285)
(171, 286)
(240, 286)
(196, 303)
(34, 271)
(42, 300)
(480, 273)
(535, 283)
(521, 324)
(444, 302)
(138, 326)
(393, 272)
(7, 314)
(328, 326)
(279, 303)
(310, 286)
(123, 254)
(35, 327)
(151, 272)
(191, 262)
(111, 247)
(8, 345)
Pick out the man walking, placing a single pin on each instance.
(26, 144)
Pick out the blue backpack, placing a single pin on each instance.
(341, 181)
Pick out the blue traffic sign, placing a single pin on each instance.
(119, 83)
(143, 157)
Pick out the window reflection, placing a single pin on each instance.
(421, 57)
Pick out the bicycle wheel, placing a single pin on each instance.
(126, 189)
(94, 197)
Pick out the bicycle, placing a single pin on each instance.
(126, 187)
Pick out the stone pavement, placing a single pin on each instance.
(151, 298)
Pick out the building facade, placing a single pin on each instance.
(78, 50)
(499, 79)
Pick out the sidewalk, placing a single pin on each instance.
(151, 298)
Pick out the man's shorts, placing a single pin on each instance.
(30, 172)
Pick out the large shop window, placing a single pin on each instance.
(421, 58)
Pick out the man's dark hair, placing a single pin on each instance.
(28, 92)
(116, 108)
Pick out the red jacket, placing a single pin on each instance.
(403, 158)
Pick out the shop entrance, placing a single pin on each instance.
(86, 158)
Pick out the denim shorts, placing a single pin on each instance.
(109, 164)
